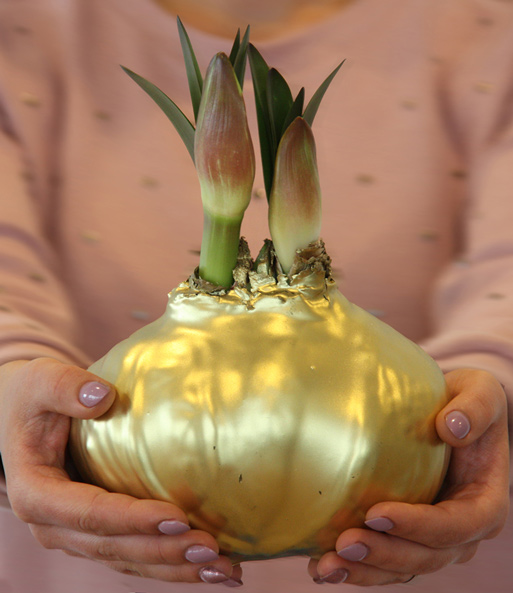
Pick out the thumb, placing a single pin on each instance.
(478, 403)
(64, 389)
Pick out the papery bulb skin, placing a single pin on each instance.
(295, 200)
(275, 415)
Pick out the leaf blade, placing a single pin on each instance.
(279, 101)
(240, 60)
(194, 76)
(175, 115)
(259, 70)
(235, 48)
(296, 110)
(313, 105)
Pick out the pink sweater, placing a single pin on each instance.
(100, 214)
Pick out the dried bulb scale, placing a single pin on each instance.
(274, 413)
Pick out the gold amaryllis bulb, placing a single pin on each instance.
(274, 413)
(295, 200)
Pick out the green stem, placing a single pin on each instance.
(219, 249)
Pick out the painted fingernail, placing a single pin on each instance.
(333, 578)
(354, 553)
(380, 524)
(232, 583)
(173, 527)
(458, 424)
(92, 393)
(209, 574)
(199, 554)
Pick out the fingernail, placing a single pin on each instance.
(232, 583)
(209, 574)
(380, 524)
(354, 553)
(173, 527)
(200, 554)
(333, 578)
(458, 424)
(92, 393)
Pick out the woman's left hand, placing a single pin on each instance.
(404, 540)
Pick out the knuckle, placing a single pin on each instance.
(88, 520)
(162, 555)
(22, 506)
(65, 376)
(105, 549)
(437, 561)
(43, 538)
(467, 553)
(499, 524)
(126, 568)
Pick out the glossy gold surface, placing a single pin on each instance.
(275, 417)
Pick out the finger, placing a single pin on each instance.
(396, 554)
(184, 573)
(333, 569)
(478, 404)
(163, 557)
(196, 547)
(450, 523)
(89, 509)
(62, 389)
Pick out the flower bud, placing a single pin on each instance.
(295, 201)
(224, 155)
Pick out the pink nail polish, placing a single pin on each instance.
(380, 524)
(173, 527)
(354, 553)
(334, 577)
(209, 574)
(199, 554)
(458, 424)
(232, 583)
(92, 393)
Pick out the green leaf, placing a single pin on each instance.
(279, 101)
(295, 111)
(180, 121)
(313, 105)
(191, 67)
(235, 48)
(239, 62)
(259, 70)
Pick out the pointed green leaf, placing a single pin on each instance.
(313, 105)
(279, 101)
(295, 111)
(180, 121)
(239, 63)
(191, 67)
(259, 70)
(235, 47)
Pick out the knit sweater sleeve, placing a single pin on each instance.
(36, 317)
(36, 314)
(473, 302)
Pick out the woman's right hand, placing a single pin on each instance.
(142, 537)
